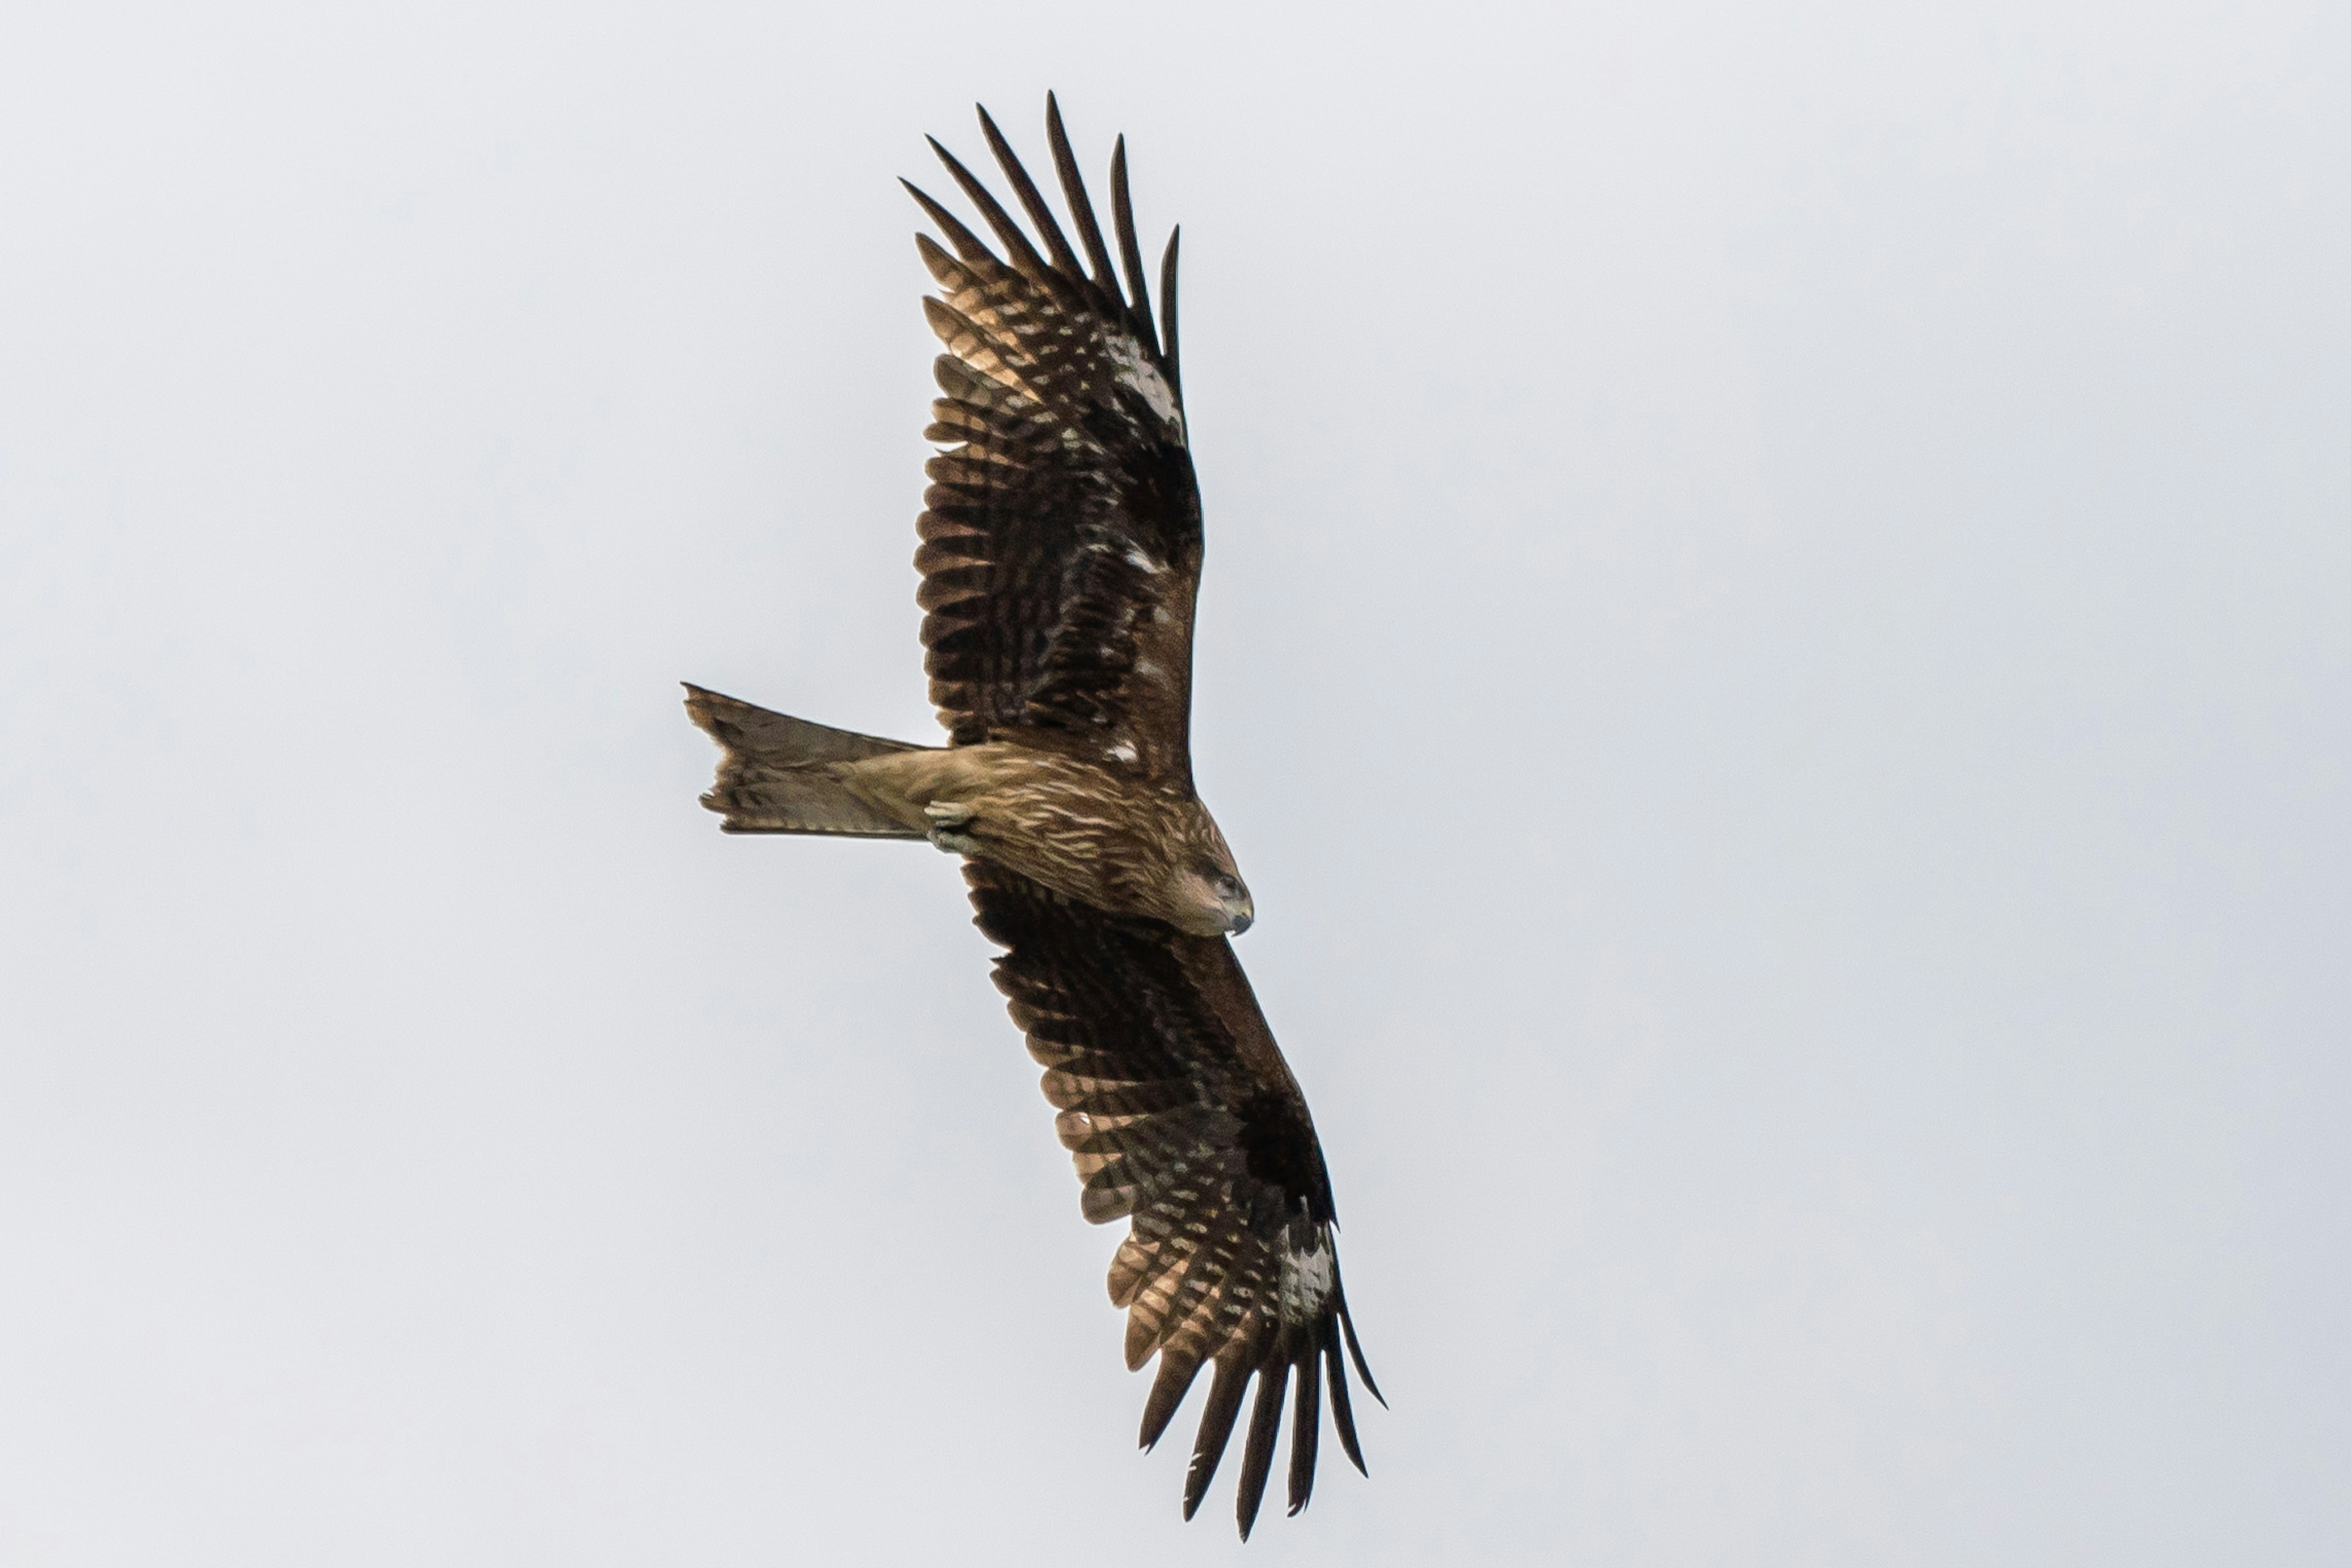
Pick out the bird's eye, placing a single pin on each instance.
(1227, 887)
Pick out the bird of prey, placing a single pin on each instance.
(1059, 559)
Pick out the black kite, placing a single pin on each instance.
(1059, 559)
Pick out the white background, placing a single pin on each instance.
(1774, 651)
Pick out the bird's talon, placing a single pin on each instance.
(953, 842)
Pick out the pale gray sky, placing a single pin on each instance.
(1774, 651)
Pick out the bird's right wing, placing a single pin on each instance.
(1184, 1119)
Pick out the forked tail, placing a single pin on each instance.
(777, 776)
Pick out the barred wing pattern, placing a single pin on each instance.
(1183, 1117)
(1062, 539)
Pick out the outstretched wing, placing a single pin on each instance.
(1061, 549)
(1183, 1117)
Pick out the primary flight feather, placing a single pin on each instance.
(1059, 559)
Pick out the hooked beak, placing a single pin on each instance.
(1237, 920)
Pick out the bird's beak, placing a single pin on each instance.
(1239, 920)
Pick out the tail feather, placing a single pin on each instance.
(779, 774)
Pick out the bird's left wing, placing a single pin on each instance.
(1183, 1118)
(1062, 539)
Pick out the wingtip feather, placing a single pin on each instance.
(1305, 1427)
(1167, 311)
(1041, 217)
(1129, 252)
(967, 244)
(1174, 1381)
(1356, 1353)
(1257, 1456)
(1081, 208)
(1342, 1410)
(1217, 1418)
(1017, 245)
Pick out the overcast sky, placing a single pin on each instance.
(1774, 651)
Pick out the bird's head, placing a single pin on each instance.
(1212, 899)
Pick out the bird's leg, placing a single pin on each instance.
(946, 816)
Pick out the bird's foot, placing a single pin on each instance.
(946, 816)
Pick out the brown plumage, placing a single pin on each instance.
(1061, 559)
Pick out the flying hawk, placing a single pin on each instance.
(1059, 562)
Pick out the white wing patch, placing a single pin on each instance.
(1306, 1279)
(1125, 751)
(1139, 375)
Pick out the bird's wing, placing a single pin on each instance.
(1061, 549)
(1184, 1119)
